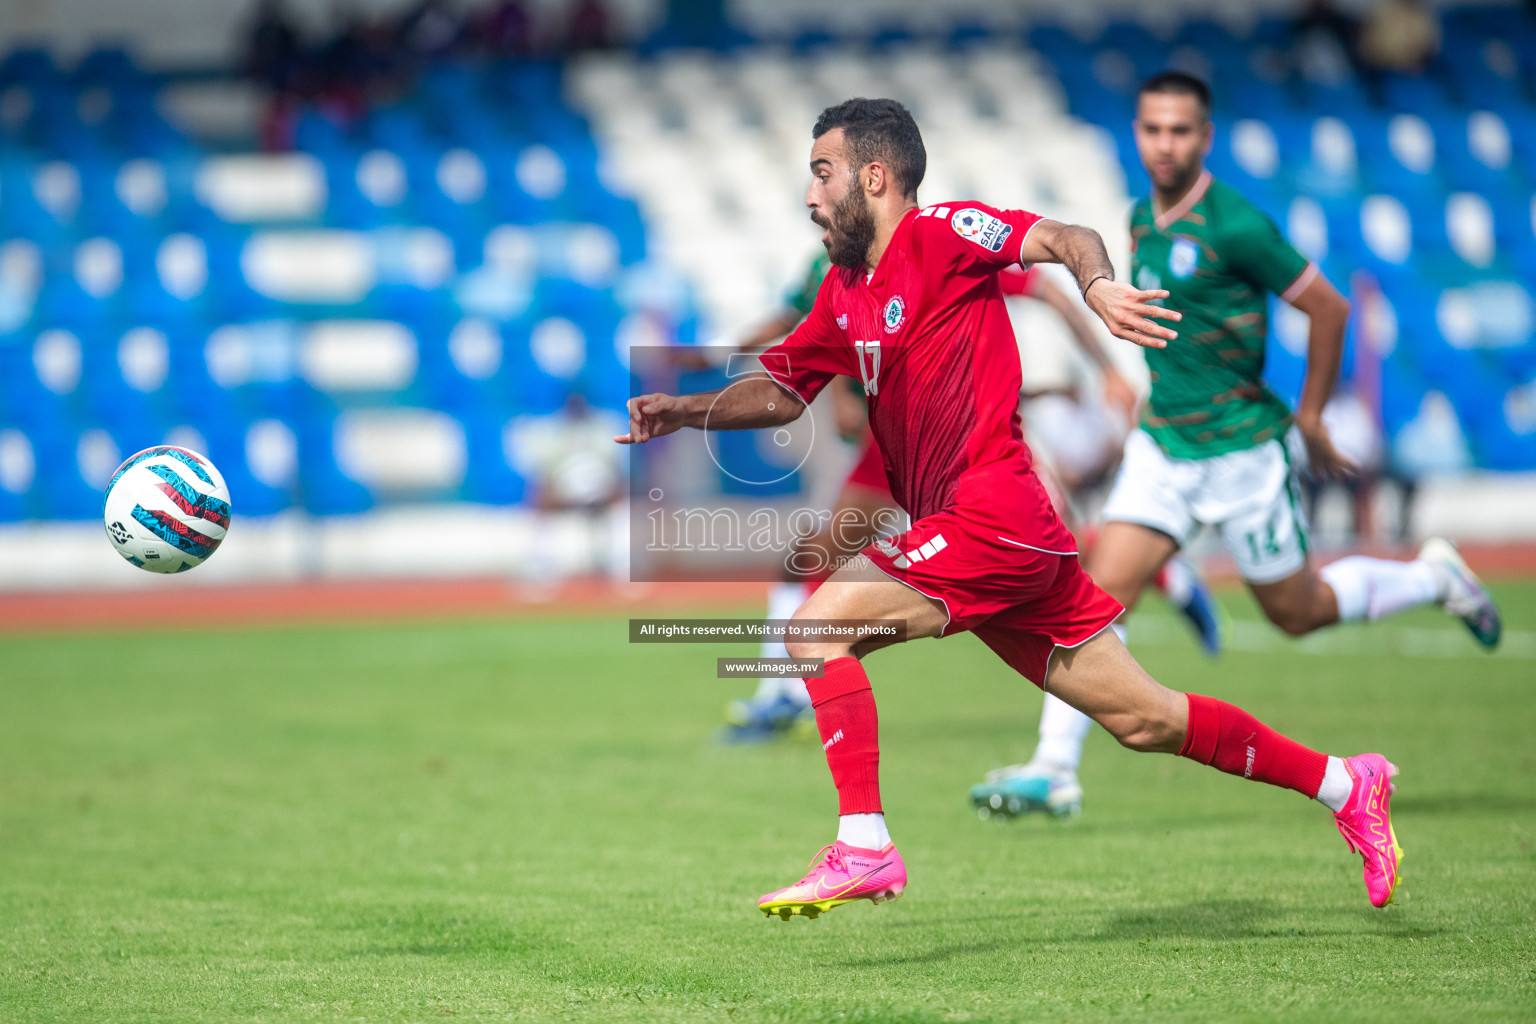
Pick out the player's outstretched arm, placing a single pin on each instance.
(741, 405)
(1125, 310)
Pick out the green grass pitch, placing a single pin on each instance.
(529, 820)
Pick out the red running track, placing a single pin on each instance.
(473, 598)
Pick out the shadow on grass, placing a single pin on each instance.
(1464, 803)
(1212, 919)
(937, 954)
(1247, 919)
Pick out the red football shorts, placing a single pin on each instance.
(1022, 602)
(869, 471)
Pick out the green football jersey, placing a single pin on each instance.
(804, 296)
(1218, 257)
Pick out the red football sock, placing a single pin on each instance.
(850, 733)
(1232, 740)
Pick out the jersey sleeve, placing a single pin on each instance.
(803, 297)
(973, 236)
(1262, 256)
(1019, 282)
(812, 355)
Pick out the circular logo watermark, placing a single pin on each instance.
(790, 445)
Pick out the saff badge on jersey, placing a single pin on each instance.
(982, 228)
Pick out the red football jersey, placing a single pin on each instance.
(929, 336)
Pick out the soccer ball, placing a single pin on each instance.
(167, 509)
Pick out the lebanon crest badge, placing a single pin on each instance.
(895, 314)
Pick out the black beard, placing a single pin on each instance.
(851, 231)
(1185, 178)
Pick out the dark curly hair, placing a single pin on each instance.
(879, 130)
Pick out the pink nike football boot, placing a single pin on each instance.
(840, 874)
(1366, 823)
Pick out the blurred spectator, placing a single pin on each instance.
(503, 29)
(569, 457)
(429, 29)
(573, 465)
(1325, 43)
(340, 71)
(1401, 36)
(272, 46)
(590, 27)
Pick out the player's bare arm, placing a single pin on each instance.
(1127, 311)
(1118, 391)
(1328, 313)
(742, 405)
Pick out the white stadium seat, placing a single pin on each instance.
(1385, 226)
(1469, 225)
(996, 130)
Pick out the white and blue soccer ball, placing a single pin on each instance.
(167, 509)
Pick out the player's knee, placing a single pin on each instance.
(805, 650)
(1149, 735)
(1293, 620)
(1158, 727)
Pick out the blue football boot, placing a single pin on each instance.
(758, 720)
(1022, 789)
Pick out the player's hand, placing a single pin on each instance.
(1126, 310)
(652, 416)
(1119, 394)
(1326, 461)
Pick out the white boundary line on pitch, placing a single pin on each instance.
(1366, 639)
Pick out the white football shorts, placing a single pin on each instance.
(1250, 497)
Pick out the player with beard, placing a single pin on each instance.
(1216, 446)
(913, 309)
(864, 509)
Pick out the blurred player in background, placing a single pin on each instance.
(864, 508)
(913, 308)
(1216, 446)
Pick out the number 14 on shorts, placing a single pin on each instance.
(1270, 546)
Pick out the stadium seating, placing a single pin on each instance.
(454, 254)
(1421, 184)
(1425, 182)
(482, 253)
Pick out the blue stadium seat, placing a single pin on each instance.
(1388, 173)
(488, 477)
(1402, 388)
(226, 439)
(1497, 446)
(1417, 94)
(15, 482)
(323, 488)
(1463, 168)
(59, 491)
